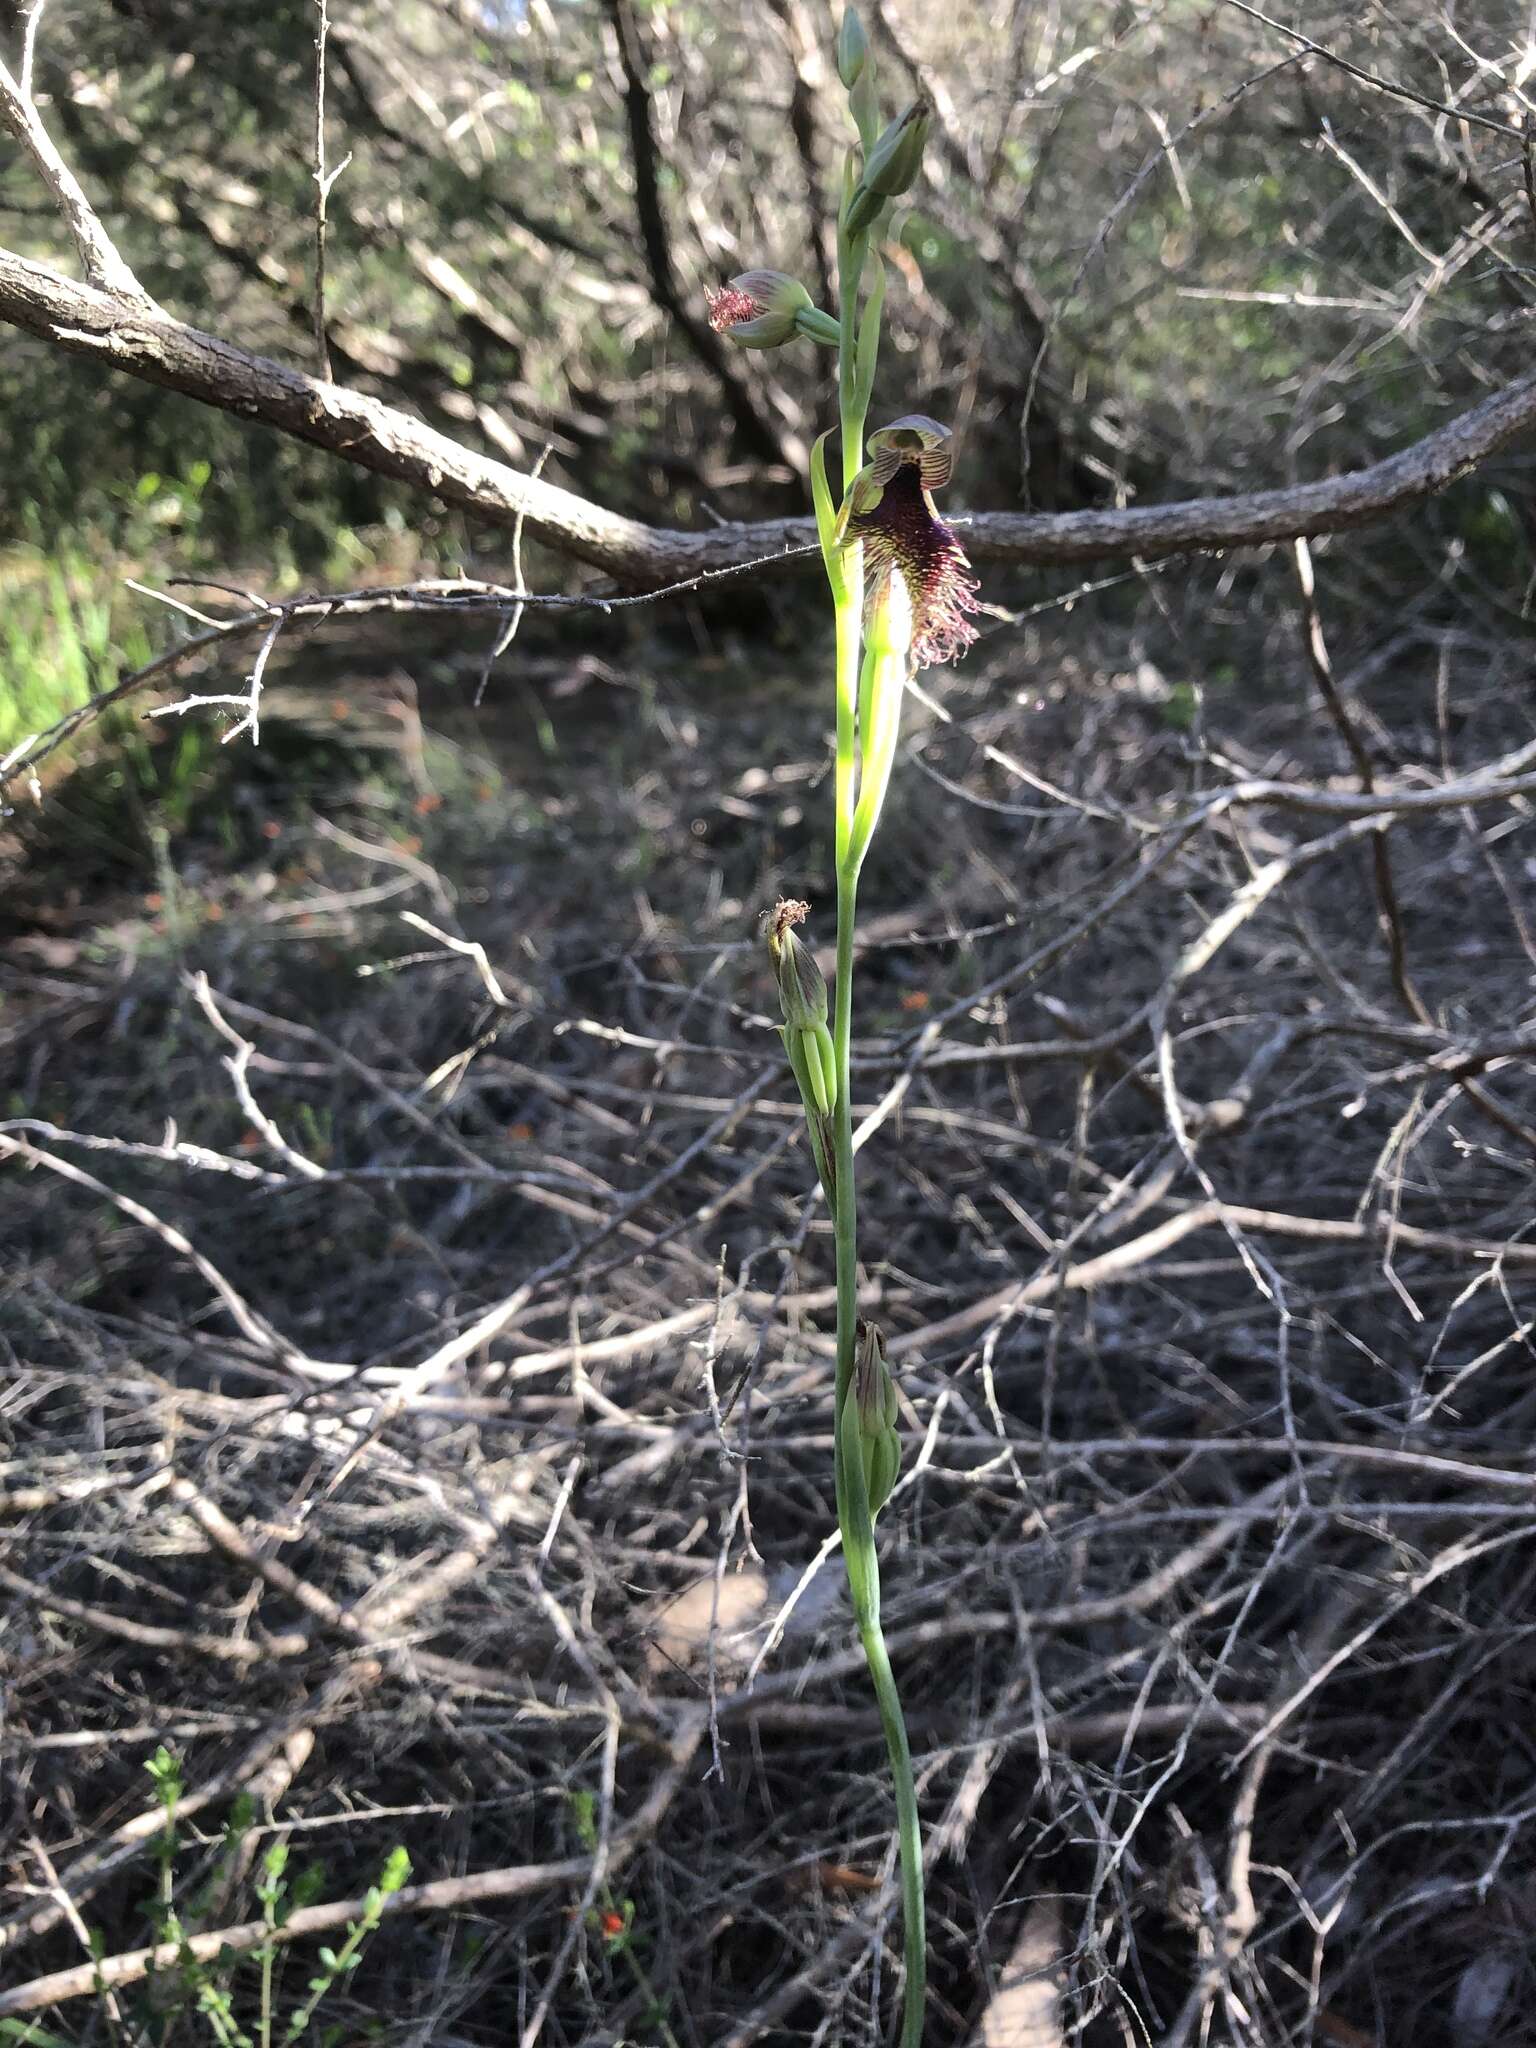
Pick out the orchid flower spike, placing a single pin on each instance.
(766, 308)
(891, 510)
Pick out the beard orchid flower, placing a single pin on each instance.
(891, 510)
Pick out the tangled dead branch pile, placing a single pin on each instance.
(417, 1393)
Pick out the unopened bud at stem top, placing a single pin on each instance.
(852, 49)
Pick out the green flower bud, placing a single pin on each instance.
(802, 985)
(820, 1066)
(871, 1426)
(872, 1378)
(891, 167)
(817, 1081)
(893, 164)
(852, 49)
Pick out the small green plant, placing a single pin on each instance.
(208, 1989)
(613, 1921)
(902, 596)
(28, 2034)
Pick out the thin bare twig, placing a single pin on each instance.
(105, 269)
(324, 179)
(1394, 88)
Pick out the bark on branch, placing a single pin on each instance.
(153, 345)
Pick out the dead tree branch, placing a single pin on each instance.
(153, 345)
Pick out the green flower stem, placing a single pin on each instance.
(849, 606)
(914, 1932)
(859, 1554)
(846, 1219)
(862, 1563)
(851, 252)
(856, 359)
(882, 686)
(848, 584)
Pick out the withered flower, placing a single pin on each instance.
(802, 985)
(803, 1002)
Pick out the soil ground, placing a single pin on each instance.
(415, 1318)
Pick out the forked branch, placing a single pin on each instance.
(104, 267)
